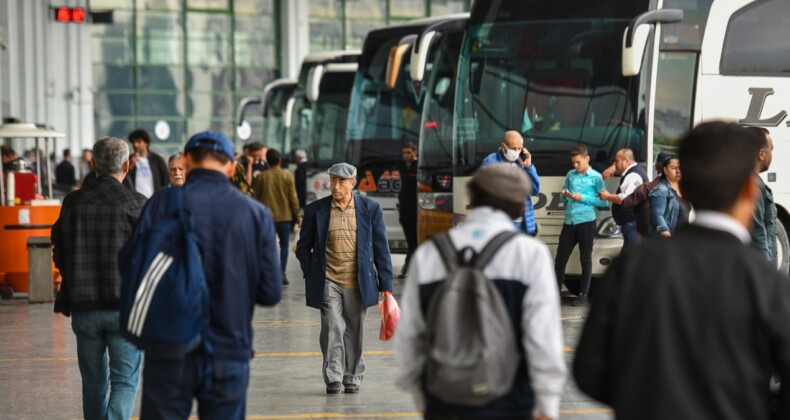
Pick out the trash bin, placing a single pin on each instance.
(39, 249)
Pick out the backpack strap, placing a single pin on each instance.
(446, 250)
(492, 248)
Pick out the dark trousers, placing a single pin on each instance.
(170, 385)
(630, 234)
(283, 230)
(408, 220)
(571, 235)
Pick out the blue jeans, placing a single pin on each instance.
(170, 385)
(630, 234)
(283, 230)
(97, 338)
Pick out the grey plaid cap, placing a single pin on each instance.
(342, 170)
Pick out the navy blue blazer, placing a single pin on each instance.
(374, 263)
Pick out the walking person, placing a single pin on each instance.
(242, 268)
(522, 269)
(345, 258)
(763, 229)
(175, 167)
(149, 173)
(694, 326)
(65, 172)
(512, 151)
(631, 177)
(407, 200)
(580, 196)
(276, 189)
(93, 224)
(300, 177)
(667, 207)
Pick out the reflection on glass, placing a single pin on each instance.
(369, 9)
(250, 28)
(113, 77)
(210, 106)
(208, 4)
(215, 79)
(256, 54)
(446, 7)
(756, 41)
(164, 24)
(563, 75)
(112, 51)
(253, 6)
(301, 114)
(113, 104)
(111, 4)
(325, 35)
(121, 26)
(159, 4)
(160, 105)
(357, 30)
(160, 78)
(326, 8)
(327, 130)
(407, 8)
(674, 95)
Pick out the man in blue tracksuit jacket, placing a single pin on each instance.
(242, 265)
(510, 152)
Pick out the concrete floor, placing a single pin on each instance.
(40, 379)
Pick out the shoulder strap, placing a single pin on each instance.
(446, 250)
(492, 247)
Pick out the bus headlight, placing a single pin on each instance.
(608, 228)
(435, 201)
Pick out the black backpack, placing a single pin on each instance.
(473, 355)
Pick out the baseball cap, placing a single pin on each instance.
(211, 140)
(342, 170)
(503, 181)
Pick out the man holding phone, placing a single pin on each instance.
(512, 151)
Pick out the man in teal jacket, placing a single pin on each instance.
(580, 196)
(345, 258)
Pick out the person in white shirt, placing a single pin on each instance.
(150, 173)
(523, 267)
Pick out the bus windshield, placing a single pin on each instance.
(301, 114)
(273, 128)
(436, 146)
(557, 80)
(327, 128)
(380, 119)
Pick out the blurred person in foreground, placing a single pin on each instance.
(694, 326)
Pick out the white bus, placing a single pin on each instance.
(569, 72)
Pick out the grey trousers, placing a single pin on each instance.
(342, 316)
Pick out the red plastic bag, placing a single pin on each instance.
(390, 314)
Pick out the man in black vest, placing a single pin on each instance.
(694, 326)
(631, 176)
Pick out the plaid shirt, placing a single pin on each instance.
(94, 223)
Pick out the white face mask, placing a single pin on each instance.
(511, 155)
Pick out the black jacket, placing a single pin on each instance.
(93, 225)
(158, 170)
(689, 327)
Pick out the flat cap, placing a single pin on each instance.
(211, 140)
(504, 181)
(342, 170)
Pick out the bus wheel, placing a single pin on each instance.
(782, 248)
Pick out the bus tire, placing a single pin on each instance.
(782, 248)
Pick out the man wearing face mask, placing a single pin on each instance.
(512, 151)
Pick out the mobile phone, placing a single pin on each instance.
(523, 155)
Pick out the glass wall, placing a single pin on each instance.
(176, 67)
(343, 24)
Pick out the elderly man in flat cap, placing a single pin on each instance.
(524, 274)
(345, 258)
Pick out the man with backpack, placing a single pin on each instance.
(480, 334)
(94, 222)
(235, 235)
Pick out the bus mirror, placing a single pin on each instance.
(246, 102)
(632, 56)
(477, 67)
(313, 82)
(394, 64)
(419, 55)
(289, 106)
(635, 37)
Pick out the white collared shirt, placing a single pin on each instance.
(723, 222)
(630, 182)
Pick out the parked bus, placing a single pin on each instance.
(298, 111)
(384, 114)
(611, 75)
(328, 92)
(442, 43)
(273, 102)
